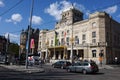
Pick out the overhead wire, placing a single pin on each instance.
(118, 3)
(11, 8)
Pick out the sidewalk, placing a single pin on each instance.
(106, 67)
(31, 69)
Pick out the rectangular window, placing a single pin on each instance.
(62, 41)
(68, 40)
(68, 32)
(62, 33)
(93, 53)
(83, 37)
(93, 40)
(93, 34)
(76, 40)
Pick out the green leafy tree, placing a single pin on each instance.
(13, 49)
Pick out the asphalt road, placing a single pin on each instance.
(59, 74)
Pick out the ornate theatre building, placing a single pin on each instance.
(96, 38)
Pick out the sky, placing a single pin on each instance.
(15, 14)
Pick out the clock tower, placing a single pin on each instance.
(70, 16)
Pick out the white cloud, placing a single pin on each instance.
(13, 37)
(111, 10)
(55, 9)
(15, 18)
(36, 20)
(118, 16)
(1, 3)
(82, 8)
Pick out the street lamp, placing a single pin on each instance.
(72, 39)
(29, 29)
(47, 43)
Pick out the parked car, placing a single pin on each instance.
(84, 67)
(61, 64)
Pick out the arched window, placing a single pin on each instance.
(94, 24)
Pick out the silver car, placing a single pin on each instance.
(84, 67)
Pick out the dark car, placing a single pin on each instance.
(61, 64)
(84, 67)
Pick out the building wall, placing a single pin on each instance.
(3, 42)
(34, 34)
(101, 33)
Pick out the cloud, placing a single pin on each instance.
(15, 18)
(13, 37)
(82, 8)
(118, 16)
(111, 10)
(55, 9)
(36, 20)
(1, 3)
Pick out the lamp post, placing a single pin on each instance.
(29, 29)
(6, 58)
(47, 43)
(72, 39)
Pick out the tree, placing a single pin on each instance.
(13, 49)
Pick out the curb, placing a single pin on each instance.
(22, 68)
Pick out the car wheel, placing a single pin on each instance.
(62, 67)
(68, 70)
(84, 71)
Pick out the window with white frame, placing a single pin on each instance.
(76, 40)
(67, 40)
(93, 34)
(68, 32)
(62, 41)
(94, 53)
(62, 33)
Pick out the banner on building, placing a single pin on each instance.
(32, 44)
(56, 40)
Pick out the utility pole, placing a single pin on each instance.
(6, 49)
(29, 29)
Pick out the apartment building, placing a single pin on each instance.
(34, 35)
(74, 38)
(3, 42)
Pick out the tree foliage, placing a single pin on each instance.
(13, 49)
